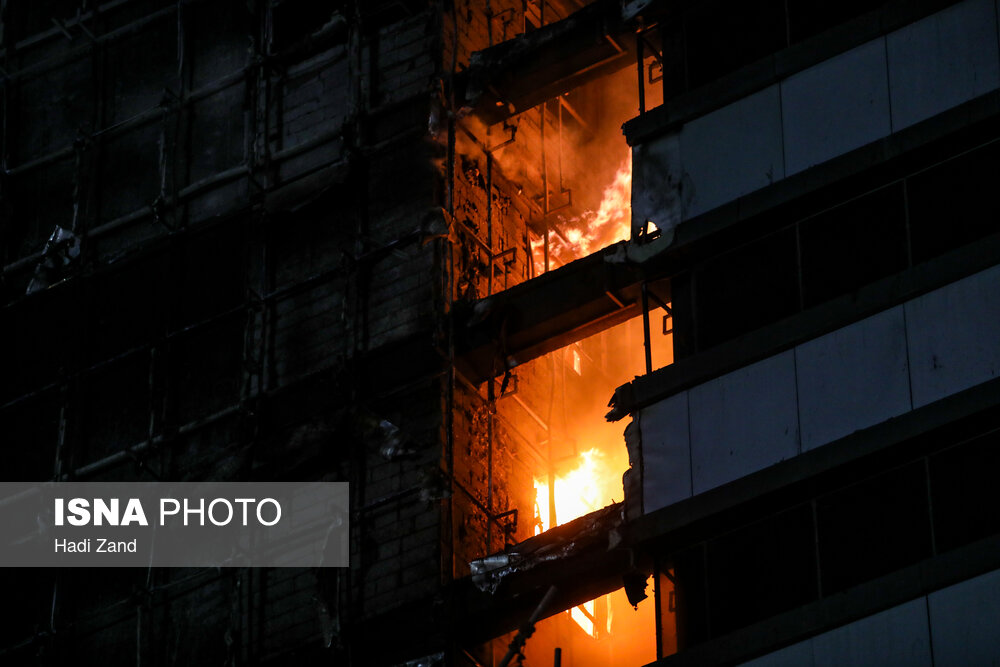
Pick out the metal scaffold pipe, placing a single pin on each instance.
(528, 628)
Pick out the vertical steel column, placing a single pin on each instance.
(491, 406)
(545, 170)
(545, 187)
(489, 218)
(640, 57)
(559, 146)
(491, 390)
(546, 250)
(663, 64)
(645, 328)
(657, 608)
(552, 488)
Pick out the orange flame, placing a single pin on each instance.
(582, 490)
(613, 220)
(578, 492)
(594, 483)
(593, 230)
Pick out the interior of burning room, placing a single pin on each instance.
(565, 169)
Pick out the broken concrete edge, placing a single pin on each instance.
(583, 559)
(564, 541)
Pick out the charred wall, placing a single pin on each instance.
(251, 242)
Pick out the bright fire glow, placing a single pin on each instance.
(594, 483)
(580, 491)
(613, 220)
(584, 617)
(593, 230)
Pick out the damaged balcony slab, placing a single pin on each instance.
(553, 310)
(583, 559)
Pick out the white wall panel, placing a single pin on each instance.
(954, 337)
(733, 151)
(897, 636)
(853, 378)
(666, 453)
(836, 106)
(942, 61)
(965, 622)
(743, 421)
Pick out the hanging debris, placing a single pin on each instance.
(59, 255)
(597, 529)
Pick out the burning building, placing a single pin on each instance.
(406, 244)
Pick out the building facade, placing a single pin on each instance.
(814, 472)
(405, 244)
